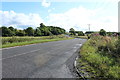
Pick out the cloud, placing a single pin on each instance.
(20, 20)
(50, 10)
(45, 4)
(78, 18)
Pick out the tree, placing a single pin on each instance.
(12, 30)
(80, 33)
(45, 30)
(20, 33)
(42, 25)
(56, 30)
(72, 31)
(29, 31)
(37, 32)
(102, 32)
(89, 32)
(6, 31)
(109, 33)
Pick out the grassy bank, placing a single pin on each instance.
(19, 41)
(99, 58)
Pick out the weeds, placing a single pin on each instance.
(100, 53)
(18, 41)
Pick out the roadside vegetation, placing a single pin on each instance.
(100, 56)
(19, 41)
(42, 30)
(77, 34)
(15, 37)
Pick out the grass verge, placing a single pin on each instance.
(98, 59)
(32, 42)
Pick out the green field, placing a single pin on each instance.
(100, 58)
(19, 41)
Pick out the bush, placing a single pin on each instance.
(99, 52)
(118, 46)
(102, 32)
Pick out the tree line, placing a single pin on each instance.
(39, 31)
(78, 33)
(102, 32)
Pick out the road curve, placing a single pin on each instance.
(44, 60)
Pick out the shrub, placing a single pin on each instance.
(118, 46)
(99, 52)
(102, 32)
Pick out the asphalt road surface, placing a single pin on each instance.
(44, 60)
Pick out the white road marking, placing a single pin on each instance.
(78, 44)
(20, 54)
(17, 46)
(75, 47)
(26, 52)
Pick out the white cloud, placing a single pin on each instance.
(50, 10)
(20, 20)
(78, 18)
(45, 4)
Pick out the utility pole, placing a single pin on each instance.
(89, 26)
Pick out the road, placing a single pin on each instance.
(44, 60)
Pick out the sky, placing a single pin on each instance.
(102, 14)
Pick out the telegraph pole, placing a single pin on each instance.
(89, 26)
